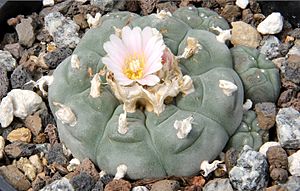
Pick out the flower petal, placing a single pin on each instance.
(146, 35)
(111, 65)
(149, 80)
(136, 37)
(122, 79)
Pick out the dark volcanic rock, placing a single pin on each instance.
(83, 182)
(53, 59)
(20, 77)
(56, 154)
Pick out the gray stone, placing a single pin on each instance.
(15, 49)
(7, 61)
(59, 185)
(4, 82)
(218, 185)
(266, 114)
(99, 186)
(20, 77)
(105, 5)
(270, 47)
(56, 154)
(25, 32)
(251, 171)
(293, 183)
(288, 128)
(166, 185)
(63, 30)
(54, 58)
(82, 181)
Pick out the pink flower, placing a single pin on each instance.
(136, 56)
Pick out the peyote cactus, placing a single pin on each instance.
(155, 128)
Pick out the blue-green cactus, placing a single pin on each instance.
(151, 148)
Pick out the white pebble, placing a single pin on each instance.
(121, 171)
(272, 24)
(247, 105)
(2, 145)
(48, 3)
(264, 148)
(73, 164)
(21, 102)
(140, 188)
(294, 163)
(242, 3)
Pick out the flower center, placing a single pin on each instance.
(134, 66)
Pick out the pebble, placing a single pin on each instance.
(293, 183)
(244, 34)
(140, 188)
(4, 82)
(73, 164)
(107, 178)
(266, 114)
(18, 103)
(82, 181)
(231, 12)
(147, 6)
(25, 31)
(104, 5)
(19, 149)
(270, 47)
(99, 186)
(15, 177)
(34, 123)
(88, 167)
(7, 60)
(2, 145)
(81, 21)
(291, 68)
(52, 134)
(251, 171)
(20, 77)
(295, 33)
(46, 117)
(278, 161)
(242, 3)
(54, 58)
(36, 162)
(48, 3)
(39, 182)
(166, 185)
(21, 134)
(121, 185)
(15, 49)
(218, 184)
(62, 184)
(56, 155)
(272, 24)
(264, 148)
(231, 157)
(63, 30)
(25, 166)
(288, 131)
(294, 163)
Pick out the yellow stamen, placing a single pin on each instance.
(134, 66)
